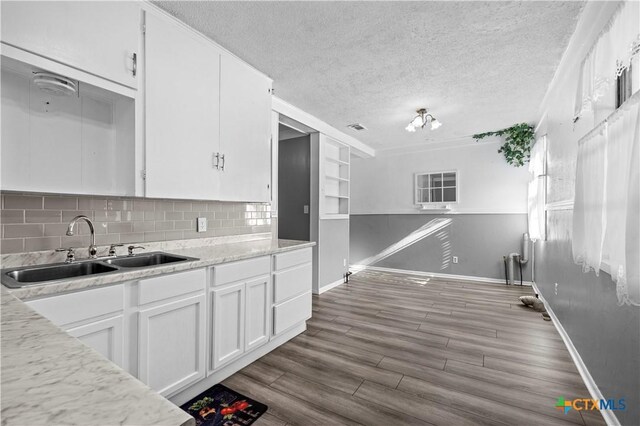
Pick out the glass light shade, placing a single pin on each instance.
(410, 128)
(435, 124)
(418, 121)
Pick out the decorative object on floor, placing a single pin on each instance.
(536, 304)
(517, 143)
(220, 405)
(422, 119)
(527, 300)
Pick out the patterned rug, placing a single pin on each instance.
(220, 405)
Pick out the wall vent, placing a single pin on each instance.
(357, 126)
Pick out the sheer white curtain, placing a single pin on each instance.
(610, 55)
(623, 138)
(536, 192)
(606, 218)
(588, 212)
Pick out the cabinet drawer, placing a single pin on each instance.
(166, 286)
(291, 312)
(291, 282)
(82, 305)
(291, 258)
(237, 271)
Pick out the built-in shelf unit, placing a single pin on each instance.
(334, 179)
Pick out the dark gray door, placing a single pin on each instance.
(294, 174)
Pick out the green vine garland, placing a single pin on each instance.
(517, 143)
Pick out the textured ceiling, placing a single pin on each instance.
(477, 66)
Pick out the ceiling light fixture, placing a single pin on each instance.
(422, 119)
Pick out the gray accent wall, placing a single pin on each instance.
(333, 250)
(479, 241)
(607, 336)
(294, 175)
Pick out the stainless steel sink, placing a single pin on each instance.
(145, 260)
(37, 274)
(47, 274)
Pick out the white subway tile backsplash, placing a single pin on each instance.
(32, 222)
(37, 244)
(27, 230)
(42, 216)
(21, 202)
(61, 203)
(12, 216)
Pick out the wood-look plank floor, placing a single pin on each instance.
(392, 349)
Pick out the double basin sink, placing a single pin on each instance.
(47, 274)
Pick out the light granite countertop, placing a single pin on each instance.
(49, 377)
(210, 254)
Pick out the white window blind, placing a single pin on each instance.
(606, 218)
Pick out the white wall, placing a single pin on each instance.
(487, 184)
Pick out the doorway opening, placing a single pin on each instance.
(294, 182)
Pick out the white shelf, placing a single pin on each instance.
(337, 178)
(336, 161)
(334, 179)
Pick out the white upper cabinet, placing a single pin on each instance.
(101, 38)
(245, 131)
(182, 111)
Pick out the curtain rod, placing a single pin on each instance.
(598, 127)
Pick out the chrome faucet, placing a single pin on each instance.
(93, 250)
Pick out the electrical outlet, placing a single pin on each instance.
(556, 289)
(344, 262)
(455, 259)
(202, 224)
(306, 209)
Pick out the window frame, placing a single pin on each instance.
(435, 172)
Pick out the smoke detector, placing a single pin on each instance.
(357, 126)
(55, 84)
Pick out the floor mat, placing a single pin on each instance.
(220, 405)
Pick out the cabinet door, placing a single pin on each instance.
(182, 112)
(105, 336)
(245, 131)
(257, 313)
(171, 344)
(228, 324)
(96, 37)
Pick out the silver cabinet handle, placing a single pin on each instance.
(223, 162)
(216, 160)
(134, 70)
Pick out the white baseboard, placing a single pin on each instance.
(451, 277)
(330, 286)
(592, 387)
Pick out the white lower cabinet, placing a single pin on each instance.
(292, 282)
(171, 344)
(172, 330)
(227, 323)
(257, 314)
(240, 310)
(105, 336)
(93, 316)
